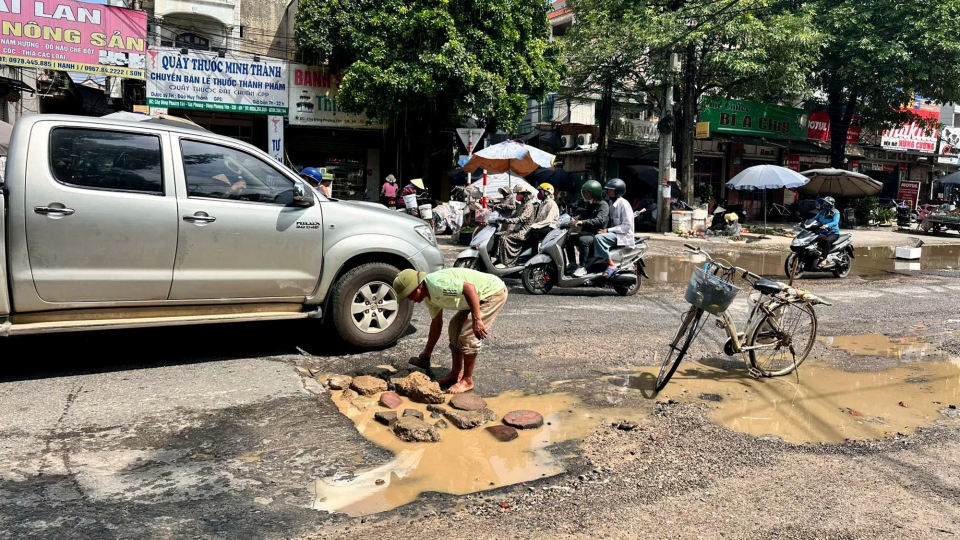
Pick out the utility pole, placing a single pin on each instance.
(665, 127)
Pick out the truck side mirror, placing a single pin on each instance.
(301, 196)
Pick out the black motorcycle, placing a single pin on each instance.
(805, 255)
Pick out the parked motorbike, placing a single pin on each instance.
(547, 269)
(483, 246)
(806, 255)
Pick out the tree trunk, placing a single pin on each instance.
(686, 125)
(840, 120)
(606, 113)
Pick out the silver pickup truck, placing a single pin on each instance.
(132, 224)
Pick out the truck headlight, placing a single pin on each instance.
(427, 234)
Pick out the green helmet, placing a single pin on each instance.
(593, 188)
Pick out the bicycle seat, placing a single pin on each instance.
(767, 286)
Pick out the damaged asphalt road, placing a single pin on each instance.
(214, 432)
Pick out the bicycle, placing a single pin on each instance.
(779, 212)
(781, 327)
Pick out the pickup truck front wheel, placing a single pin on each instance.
(364, 307)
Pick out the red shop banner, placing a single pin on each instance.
(909, 191)
(73, 36)
(915, 135)
(818, 128)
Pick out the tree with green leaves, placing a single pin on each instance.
(878, 55)
(747, 49)
(424, 65)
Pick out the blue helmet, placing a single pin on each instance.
(312, 173)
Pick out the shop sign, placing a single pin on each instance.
(141, 109)
(949, 146)
(913, 136)
(313, 100)
(737, 117)
(793, 162)
(703, 130)
(882, 167)
(909, 191)
(815, 158)
(818, 128)
(203, 81)
(275, 129)
(73, 36)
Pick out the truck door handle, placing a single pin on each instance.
(199, 217)
(48, 210)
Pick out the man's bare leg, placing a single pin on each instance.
(466, 382)
(455, 369)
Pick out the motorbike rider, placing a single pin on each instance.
(547, 215)
(512, 241)
(829, 219)
(621, 229)
(593, 218)
(507, 205)
(312, 176)
(389, 192)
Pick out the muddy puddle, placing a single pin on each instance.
(464, 461)
(904, 348)
(827, 405)
(869, 261)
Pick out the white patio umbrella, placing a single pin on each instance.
(767, 177)
(840, 182)
(511, 157)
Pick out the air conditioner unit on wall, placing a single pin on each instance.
(584, 139)
(567, 141)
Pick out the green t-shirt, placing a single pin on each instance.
(445, 288)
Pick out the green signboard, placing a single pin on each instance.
(747, 118)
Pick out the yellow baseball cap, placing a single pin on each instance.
(407, 281)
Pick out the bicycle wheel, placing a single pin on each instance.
(679, 345)
(784, 337)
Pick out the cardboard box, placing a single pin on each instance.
(909, 253)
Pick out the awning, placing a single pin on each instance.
(16, 84)
(804, 147)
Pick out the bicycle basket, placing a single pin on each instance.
(710, 293)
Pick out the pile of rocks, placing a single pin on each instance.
(467, 411)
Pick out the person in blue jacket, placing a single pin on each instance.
(829, 219)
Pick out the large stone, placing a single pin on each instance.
(412, 413)
(385, 417)
(366, 385)
(468, 402)
(412, 429)
(523, 419)
(503, 433)
(339, 382)
(349, 394)
(441, 424)
(390, 400)
(418, 387)
(436, 409)
(470, 419)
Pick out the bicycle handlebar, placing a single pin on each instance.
(744, 273)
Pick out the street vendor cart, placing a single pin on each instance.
(946, 218)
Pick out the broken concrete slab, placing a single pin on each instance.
(412, 429)
(468, 402)
(470, 419)
(365, 385)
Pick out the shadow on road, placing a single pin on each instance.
(78, 353)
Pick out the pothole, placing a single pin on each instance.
(905, 348)
(826, 405)
(464, 461)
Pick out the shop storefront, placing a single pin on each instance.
(753, 134)
(356, 151)
(233, 95)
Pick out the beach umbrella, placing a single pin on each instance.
(840, 183)
(766, 177)
(952, 179)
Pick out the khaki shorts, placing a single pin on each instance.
(460, 330)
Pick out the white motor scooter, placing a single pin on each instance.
(479, 256)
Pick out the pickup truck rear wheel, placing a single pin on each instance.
(364, 307)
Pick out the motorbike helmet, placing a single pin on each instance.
(827, 203)
(547, 187)
(312, 173)
(520, 189)
(617, 185)
(593, 188)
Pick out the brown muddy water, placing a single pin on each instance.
(826, 404)
(868, 261)
(464, 461)
(904, 348)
